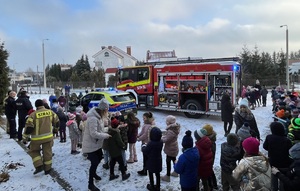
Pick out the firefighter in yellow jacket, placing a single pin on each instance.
(39, 126)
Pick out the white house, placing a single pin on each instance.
(113, 57)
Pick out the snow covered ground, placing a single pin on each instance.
(73, 169)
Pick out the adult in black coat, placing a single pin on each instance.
(11, 112)
(226, 113)
(277, 145)
(23, 105)
(290, 176)
(154, 158)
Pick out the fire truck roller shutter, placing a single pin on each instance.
(192, 104)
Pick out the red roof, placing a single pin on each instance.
(111, 70)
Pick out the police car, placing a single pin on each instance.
(118, 100)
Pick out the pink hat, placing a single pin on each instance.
(71, 116)
(251, 146)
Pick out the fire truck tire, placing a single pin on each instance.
(193, 105)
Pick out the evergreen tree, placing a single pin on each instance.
(4, 69)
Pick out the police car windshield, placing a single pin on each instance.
(121, 98)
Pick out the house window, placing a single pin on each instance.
(106, 54)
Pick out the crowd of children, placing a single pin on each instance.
(195, 164)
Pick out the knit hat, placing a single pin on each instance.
(280, 113)
(198, 134)
(155, 134)
(71, 116)
(244, 102)
(78, 109)
(83, 117)
(170, 119)
(209, 129)
(187, 141)
(296, 123)
(277, 128)
(295, 151)
(251, 146)
(232, 139)
(103, 104)
(39, 103)
(244, 132)
(114, 122)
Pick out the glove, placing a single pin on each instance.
(274, 170)
(29, 130)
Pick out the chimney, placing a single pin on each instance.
(129, 50)
(102, 47)
(109, 47)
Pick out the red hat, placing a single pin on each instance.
(114, 123)
(280, 113)
(251, 146)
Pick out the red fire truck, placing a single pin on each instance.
(192, 86)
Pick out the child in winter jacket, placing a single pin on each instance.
(290, 177)
(277, 145)
(152, 151)
(63, 119)
(230, 153)
(171, 145)
(115, 147)
(123, 132)
(143, 136)
(212, 135)
(254, 170)
(73, 133)
(187, 164)
(133, 124)
(205, 167)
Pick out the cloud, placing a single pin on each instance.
(198, 28)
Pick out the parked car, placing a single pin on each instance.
(118, 100)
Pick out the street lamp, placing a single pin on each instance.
(44, 68)
(287, 56)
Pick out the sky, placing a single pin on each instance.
(193, 28)
(73, 169)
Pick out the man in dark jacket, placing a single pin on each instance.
(23, 105)
(11, 112)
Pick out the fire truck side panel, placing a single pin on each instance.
(194, 88)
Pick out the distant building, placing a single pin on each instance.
(294, 66)
(113, 57)
(64, 67)
(160, 56)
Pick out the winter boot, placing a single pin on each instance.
(75, 152)
(92, 187)
(112, 177)
(38, 169)
(135, 158)
(125, 176)
(48, 171)
(97, 177)
(105, 166)
(165, 178)
(174, 174)
(142, 172)
(150, 187)
(130, 160)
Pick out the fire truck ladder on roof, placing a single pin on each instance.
(195, 60)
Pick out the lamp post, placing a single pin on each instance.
(287, 56)
(44, 68)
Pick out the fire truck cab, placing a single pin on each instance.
(192, 86)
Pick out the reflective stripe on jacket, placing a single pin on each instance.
(42, 120)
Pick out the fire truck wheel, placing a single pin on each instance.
(193, 105)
